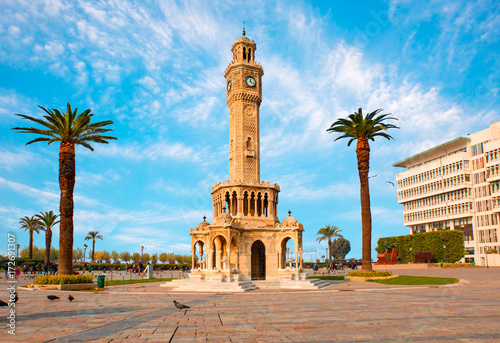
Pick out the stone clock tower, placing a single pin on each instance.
(245, 240)
(244, 95)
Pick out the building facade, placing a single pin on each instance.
(456, 186)
(245, 239)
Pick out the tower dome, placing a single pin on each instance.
(289, 221)
(203, 224)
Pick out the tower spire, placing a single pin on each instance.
(243, 29)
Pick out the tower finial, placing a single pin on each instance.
(243, 29)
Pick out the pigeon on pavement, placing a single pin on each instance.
(70, 298)
(52, 297)
(3, 303)
(16, 298)
(180, 306)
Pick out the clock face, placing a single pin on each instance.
(250, 81)
(228, 85)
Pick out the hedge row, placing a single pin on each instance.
(432, 242)
(122, 266)
(375, 273)
(63, 279)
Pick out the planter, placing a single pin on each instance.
(363, 279)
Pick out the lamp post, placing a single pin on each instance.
(142, 251)
(444, 253)
(85, 246)
(17, 254)
(411, 256)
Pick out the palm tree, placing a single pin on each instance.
(328, 232)
(93, 235)
(30, 224)
(362, 129)
(47, 221)
(70, 130)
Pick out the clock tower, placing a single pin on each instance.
(244, 95)
(245, 239)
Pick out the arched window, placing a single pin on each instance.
(244, 53)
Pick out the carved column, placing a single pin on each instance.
(193, 254)
(279, 260)
(237, 259)
(240, 206)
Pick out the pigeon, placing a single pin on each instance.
(180, 306)
(16, 298)
(52, 297)
(70, 298)
(392, 183)
(3, 303)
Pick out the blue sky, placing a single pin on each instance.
(156, 70)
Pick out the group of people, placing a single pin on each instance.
(139, 268)
(337, 266)
(34, 269)
(40, 268)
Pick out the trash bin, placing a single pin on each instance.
(100, 281)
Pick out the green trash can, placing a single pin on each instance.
(100, 281)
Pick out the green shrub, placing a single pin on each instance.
(426, 242)
(375, 273)
(62, 279)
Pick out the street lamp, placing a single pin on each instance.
(411, 256)
(444, 253)
(142, 251)
(17, 256)
(85, 246)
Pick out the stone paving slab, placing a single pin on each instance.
(344, 312)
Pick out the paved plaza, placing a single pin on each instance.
(345, 312)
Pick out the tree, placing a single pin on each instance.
(47, 222)
(98, 255)
(90, 254)
(136, 257)
(125, 256)
(93, 235)
(340, 247)
(54, 254)
(69, 130)
(115, 256)
(163, 257)
(154, 258)
(362, 129)
(32, 225)
(36, 253)
(328, 232)
(145, 258)
(106, 256)
(77, 254)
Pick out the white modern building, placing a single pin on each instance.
(456, 186)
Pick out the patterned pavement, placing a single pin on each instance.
(345, 312)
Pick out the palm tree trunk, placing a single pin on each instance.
(31, 244)
(48, 242)
(93, 249)
(363, 155)
(66, 207)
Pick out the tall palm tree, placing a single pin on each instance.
(328, 232)
(47, 222)
(32, 225)
(93, 235)
(362, 129)
(70, 130)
